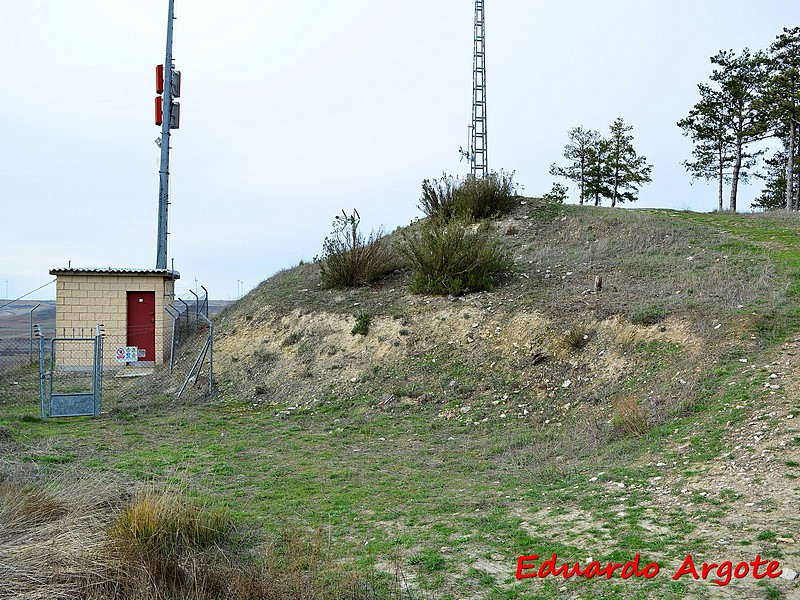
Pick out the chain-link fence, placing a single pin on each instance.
(19, 371)
(19, 348)
(164, 368)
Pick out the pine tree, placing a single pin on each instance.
(577, 151)
(741, 80)
(781, 102)
(773, 195)
(627, 170)
(598, 171)
(713, 151)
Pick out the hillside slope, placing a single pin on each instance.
(653, 416)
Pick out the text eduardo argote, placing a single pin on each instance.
(529, 567)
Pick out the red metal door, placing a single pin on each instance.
(142, 324)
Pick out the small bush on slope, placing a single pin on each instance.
(452, 259)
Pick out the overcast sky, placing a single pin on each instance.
(291, 111)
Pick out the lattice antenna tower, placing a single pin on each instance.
(478, 148)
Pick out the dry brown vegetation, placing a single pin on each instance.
(85, 539)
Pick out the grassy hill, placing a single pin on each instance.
(656, 416)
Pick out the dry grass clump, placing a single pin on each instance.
(575, 338)
(50, 535)
(83, 539)
(630, 418)
(168, 523)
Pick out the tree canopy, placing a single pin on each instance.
(751, 97)
(607, 168)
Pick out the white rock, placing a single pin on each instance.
(789, 574)
(567, 383)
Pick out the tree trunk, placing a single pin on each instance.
(616, 187)
(583, 180)
(721, 178)
(796, 181)
(737, 167)
(790, 168)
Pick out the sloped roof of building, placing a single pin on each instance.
(166, 273)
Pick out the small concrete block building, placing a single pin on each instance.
(129, 303)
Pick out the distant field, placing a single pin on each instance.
(15, 318)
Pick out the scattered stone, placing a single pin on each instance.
(789, 574)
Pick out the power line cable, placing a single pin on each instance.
(28, 294)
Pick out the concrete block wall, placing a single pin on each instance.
(85, 299)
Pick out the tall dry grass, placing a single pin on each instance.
(85, 539)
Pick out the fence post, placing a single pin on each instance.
(210, 355)
(186, 312)
(42, 373)
(31, 347)
(98, 369)
(169, 308)
(205, 301)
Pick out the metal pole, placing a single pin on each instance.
(163, 186)
(42, 375)
(206, 300)
(169, 308)
(31, 349)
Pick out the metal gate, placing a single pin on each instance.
(72, 385)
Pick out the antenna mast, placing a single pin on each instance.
(168, 82)
(478, 150)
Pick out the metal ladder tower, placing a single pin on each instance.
(479, 153)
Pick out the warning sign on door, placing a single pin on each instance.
(126, 354)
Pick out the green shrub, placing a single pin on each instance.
(557, 194)
(471, 199)
(454, 258)
(438, 196)
(648, 315)
(490, 196)
(363, 320)
(350, 260)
